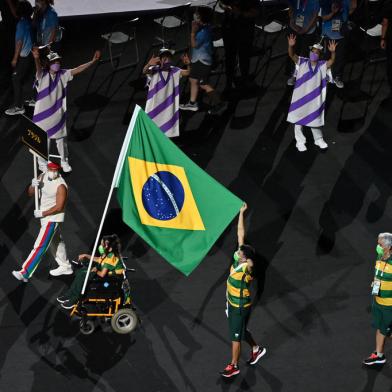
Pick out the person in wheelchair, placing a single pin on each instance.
(108, 263)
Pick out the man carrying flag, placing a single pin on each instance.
(239, 301)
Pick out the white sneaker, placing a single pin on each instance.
(193, 107)
(61, 270)
(30, 102)
(18, 275)
(321, 143)
(301, 147)
(66, 166)
(14, 111)
(291, 80)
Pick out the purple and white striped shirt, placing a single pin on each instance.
(51, 105)
(308, 100)
(163, 99)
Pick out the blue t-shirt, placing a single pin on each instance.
(332, 28)
(303, 12)
(24, 33)
(204, 49)
(48, 22)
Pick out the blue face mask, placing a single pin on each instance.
(379, 250)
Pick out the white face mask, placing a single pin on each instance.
(52, 175)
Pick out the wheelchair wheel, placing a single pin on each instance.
(87, 327)
(124, 321)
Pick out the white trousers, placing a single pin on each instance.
(62, 149)
(49, 238)
(300, 137)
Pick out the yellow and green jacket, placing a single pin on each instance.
(113, 263)
(238, 285)
(384, 274)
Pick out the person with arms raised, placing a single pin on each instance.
(239, 301)
(51, 104)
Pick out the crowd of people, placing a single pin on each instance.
(317, 33)
(313, 25)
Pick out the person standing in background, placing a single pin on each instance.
(22, 60)
(201, 60)
(8, 23)
(334, 15)
(303, 16)
(46, 23)
(238, 32)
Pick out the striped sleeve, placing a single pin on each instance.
(384, 274)
(66, 76)
(109, 262)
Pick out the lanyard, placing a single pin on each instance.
(304, 3)
(377, 269)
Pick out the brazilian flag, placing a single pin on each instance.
(176, 207)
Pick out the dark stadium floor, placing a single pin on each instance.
(314, 217)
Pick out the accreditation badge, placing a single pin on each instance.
(336, 25)
(299, 20)
(376, 286)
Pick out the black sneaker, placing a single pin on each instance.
(217, 109)
(374, 359)
(69, 304)
(62, 299)
(230, 370)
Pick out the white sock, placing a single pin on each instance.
(255, 349)
(379, 354)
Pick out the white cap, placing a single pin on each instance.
(164, 50)
(53, 56)
(316, 46)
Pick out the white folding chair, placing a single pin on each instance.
(122, 35)
(170, 26)
(373, 35)
(271, 32)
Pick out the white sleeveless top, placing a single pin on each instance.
(48, 198)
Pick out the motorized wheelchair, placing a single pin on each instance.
(106, 300)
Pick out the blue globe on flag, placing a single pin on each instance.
(163, 195)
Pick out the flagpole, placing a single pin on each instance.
(36, 200)
(114, 184)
